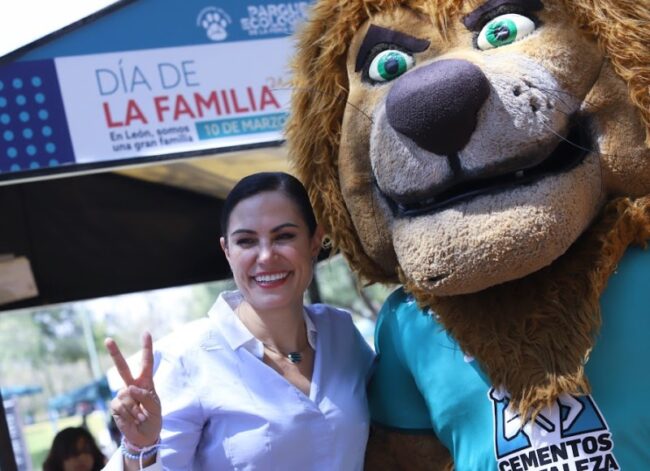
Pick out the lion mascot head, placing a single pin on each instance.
(493, 156)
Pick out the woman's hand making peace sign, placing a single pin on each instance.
(136, 408)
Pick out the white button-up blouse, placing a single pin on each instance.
(223, 408)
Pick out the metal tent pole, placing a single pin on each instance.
(7, 458)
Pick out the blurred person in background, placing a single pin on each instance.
(74, 449)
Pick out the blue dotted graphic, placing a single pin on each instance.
(34, 133)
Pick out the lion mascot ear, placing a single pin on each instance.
(493, 157)
(620, 100)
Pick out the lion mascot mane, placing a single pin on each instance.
(492, 157)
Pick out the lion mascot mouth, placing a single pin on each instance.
(493, 157)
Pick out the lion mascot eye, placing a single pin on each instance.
(503, 30)
(389, 64)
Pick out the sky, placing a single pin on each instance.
(24, 21)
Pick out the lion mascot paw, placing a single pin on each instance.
(492, 157)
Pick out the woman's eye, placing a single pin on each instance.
(245, 242)
(504, 29)
(285, 236)
(389, 64)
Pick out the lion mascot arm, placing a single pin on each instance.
(401, 451)
(402, 436)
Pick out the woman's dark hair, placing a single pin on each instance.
(64, 446)
(269, 181)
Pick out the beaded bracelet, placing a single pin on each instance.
(127, 449)
(131, 447)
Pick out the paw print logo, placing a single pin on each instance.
(215, 22)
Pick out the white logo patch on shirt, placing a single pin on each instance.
(571, 435)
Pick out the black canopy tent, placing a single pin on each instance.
(107, 234)
(124, 231)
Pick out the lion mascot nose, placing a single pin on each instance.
(436, 105)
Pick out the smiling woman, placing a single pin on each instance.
(238, 390)
(271, 241)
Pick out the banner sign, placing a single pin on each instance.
(227, 90)
(174, 100)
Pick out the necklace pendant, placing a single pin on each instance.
(294, 357)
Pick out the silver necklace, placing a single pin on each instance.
(293, 357)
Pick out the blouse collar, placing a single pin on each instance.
(236, 333)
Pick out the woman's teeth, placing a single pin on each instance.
(270, 278)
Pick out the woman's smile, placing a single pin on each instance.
(271, 280)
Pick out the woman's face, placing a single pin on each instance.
(82, 460)
(270, 251)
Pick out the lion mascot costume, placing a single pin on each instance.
(492, 157)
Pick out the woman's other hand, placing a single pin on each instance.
(136, 408)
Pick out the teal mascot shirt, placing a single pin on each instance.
(424, 382)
